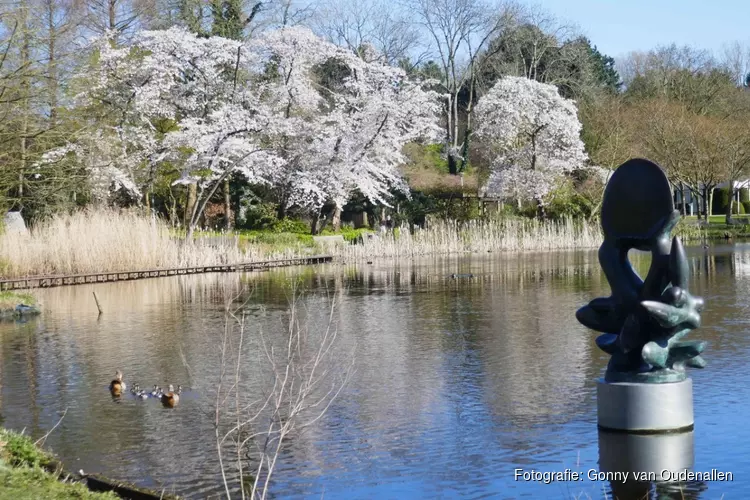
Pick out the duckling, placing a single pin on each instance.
(117, 385)
(156, 392)
(170, 398)
(142, 395)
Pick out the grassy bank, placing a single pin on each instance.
(716, 229)
(24, 473)
(9, 300)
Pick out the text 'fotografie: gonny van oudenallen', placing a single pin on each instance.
(595, 475)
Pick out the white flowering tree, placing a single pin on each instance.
(286, 109)
(355, 115)
(533, 135)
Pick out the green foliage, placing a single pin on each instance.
(280, 239)
(287, 225)
(566, 202)
(603, 67)
(458, 209)
(22, 475)
(427, 156)
(415, 209)
(720, 201)
(260, 216)
(33, 483)
(18, 450)
(228, 19)
(746, 206)
(744, 195)
(12, 299)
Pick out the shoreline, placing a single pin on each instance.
(22, 459)
(9, 285)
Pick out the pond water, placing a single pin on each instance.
(456, 382)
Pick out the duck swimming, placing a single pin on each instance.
(171, 398)
(117, 385)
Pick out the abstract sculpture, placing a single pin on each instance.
(643, 321)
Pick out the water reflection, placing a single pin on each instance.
(638, 466)
(457, 382)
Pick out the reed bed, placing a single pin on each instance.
(497, 235)
(107, 240)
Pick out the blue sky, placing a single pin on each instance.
(617, 27)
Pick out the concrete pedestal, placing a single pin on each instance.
(645, 408)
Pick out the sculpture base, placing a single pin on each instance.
(641, 408)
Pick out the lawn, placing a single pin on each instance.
(23, 476)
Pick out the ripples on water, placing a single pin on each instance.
(457, 381)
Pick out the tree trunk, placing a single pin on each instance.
(112, 11)
(281, 210)
(173, 209)
(467, 132)
(682, 199)
(314, 224)
(52, 62)
(227, 206)
(728, 218)
(336, 219)
(705, 202)
(25, 93)
(192, 198)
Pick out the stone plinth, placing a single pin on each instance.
(645, 408)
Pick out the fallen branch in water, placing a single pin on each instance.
(41, 440)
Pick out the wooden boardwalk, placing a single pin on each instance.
(79, 279)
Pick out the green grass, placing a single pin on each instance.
(269, 241)
(22, 475)
(9, 300)
(717, 228)
(713, 219)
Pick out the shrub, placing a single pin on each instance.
(291, 226)
(260, 216)
(565, 202)
(720, 201)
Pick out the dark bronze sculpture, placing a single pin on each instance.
(644, 320)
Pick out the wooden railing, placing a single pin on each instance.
(78, 279)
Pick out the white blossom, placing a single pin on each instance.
(272, 109)
(534, 136)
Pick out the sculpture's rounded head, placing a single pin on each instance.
(637, 202)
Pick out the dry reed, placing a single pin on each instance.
(106, 240)
(508, 234)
